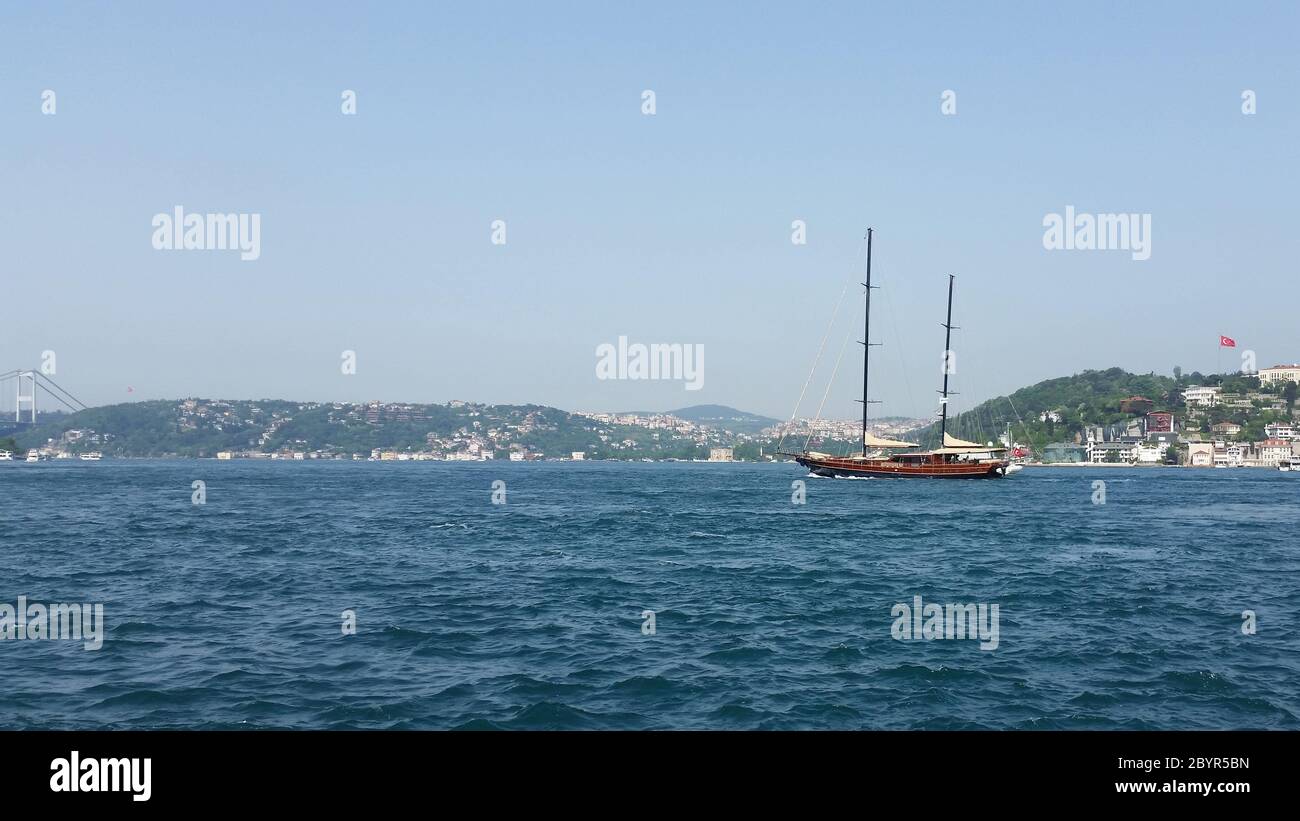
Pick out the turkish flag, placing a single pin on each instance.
(1227, 342)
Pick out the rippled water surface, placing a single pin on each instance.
(529, 614)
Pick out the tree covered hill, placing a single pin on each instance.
(1088, 398)
(202, 427)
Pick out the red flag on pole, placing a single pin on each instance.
(1227, 342)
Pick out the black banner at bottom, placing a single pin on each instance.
(213, 770)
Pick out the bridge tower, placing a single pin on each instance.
(20, 398)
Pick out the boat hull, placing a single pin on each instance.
(890, 469)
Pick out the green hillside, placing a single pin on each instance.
(203, 427)
(1085, 399)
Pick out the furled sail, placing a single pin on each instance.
(873, 441)
(950, 441)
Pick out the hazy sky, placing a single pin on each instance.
(670, 228)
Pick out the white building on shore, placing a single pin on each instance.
(1272, 451)
(1200, 454)
(1112, 452)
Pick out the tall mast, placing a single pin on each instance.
(866, 345)
(947, 366)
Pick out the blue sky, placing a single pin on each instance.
(672, 228)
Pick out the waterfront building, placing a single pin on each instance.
(1200, 454)
(1150, 454)
(1065, 452)
(1112, 452)
(1272, 451)
(1237, 453)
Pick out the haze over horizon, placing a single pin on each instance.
(376, 227)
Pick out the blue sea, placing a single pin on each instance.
(762, 613)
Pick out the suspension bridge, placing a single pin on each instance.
(30, 385)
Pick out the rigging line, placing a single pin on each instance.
(902, 363)
(970, 425)
(977, 421)
(831, 382)
(1023, 429)
(808, 381)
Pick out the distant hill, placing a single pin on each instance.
(719, 416)
(203, 427)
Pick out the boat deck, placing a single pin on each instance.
(933, 466)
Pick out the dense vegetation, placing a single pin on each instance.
(1094, 398)
(167, 428)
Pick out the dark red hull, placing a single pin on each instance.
(927, 466)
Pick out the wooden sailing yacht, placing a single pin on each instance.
(955, 459)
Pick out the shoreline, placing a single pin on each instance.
(260, 460)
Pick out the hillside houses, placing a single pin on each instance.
(1201, 426)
